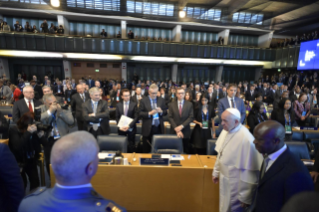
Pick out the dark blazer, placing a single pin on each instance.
(253, 119)
(11, 184)
(134, 99)
(166, 99)
(223, 104)
(38, 93)
(271, 97)
(132, 112)
(176, 120)
(145, 108)
(20, 107)
(56, 89)
(278, 115)
(68, 94)
(305, 201)
(249, 97)
(286, 177)
(113, 98)
(92, 84)
(102, 112)
(76, 105)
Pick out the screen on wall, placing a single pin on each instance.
(309, 55)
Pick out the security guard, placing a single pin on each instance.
(74, 162)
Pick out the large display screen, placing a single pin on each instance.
(309, 55)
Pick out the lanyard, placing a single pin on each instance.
(286, 120)
(206, 116)
(261, 118)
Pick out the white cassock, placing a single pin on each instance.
(237, 166)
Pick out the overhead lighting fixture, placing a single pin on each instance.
(160, 59)
(191, 60)
(10, 53)
(92, 56)
(55, 3)
(182, 14)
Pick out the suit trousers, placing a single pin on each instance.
(47, 153)
(147, 145)
(30, 169)
(81, 124)
(186, 145)
(131, 139)
(97, 132)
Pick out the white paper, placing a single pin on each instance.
(165, 156)
(177, 157)
(124, 121)
(103, 155)
(308, 162)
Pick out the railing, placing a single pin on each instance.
(61, 43)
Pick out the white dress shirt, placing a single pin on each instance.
(74, 187)
(128, 105)
(27, 102)
(229, 101)
(273, 157)
(179, 103)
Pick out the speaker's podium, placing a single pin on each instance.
(184, 186)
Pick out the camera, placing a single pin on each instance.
(38, 123)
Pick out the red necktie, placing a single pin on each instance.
(30, 107)
(180, 109)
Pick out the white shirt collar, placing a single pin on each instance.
(74, 187)
(94, 101)
(229, 98)
(275, 155)
(27, 101)
(235, 129)
(128, 102)
(179, 102)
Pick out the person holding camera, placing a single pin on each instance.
(59, 120)
(24, 143)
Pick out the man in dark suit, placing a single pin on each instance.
(37, 90)
(152, 110)
(28, 103)
(264, 92)
(210, 95)
(76, 105)
(279, 92)
(137, 97)
(90, 82)
(282, 174)
(271, 94)
(129, 109)
(294, 95)
(305, 201)
(218, 94)
(11, 184)
(96, 114)
(116, 95)
(58, 89)
(250, 95)
(164, 96)
(144, 91)
(180, 116)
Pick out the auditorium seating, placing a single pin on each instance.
(167, 144)
(298, 136)
(211, 144)
(112, 143)
(299, 149)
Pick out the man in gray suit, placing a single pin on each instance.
(60, 119)
(5, 92)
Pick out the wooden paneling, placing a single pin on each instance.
(109, 72)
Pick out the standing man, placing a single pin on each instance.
(137, 97)
(75, 161)
(237, 165)
(251, 94)
(282, 174)
(129, 109)
(180, 116)
(96, 114)
(90, 82)
(116, 95)
(76, 104)
(28, 103)
(210, 94)
(152, 110)
(230, 101)
(5, 92)
(37, 89)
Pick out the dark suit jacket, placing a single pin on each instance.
(305, 201)
(145, 108)
(249, 97)
(38, 93)
(286, 177)
(134, 99)
(20, 107)
(92, 84)
(132, 112)
(11, 184)
(102, 112)
(176, 120)
(166, 99)
(55, 90)
(223, 104)
(113, 98)
(76, 105)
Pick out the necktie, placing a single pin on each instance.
(83, 98)
(125, 108)
(180, 109)
(30, 107)
(264, 166)
(156, 121)
(95, 107)
(232, 103)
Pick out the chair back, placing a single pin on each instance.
(112, 143)
(167, 144)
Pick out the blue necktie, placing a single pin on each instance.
(156, 121)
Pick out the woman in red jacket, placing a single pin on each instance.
(16, 92)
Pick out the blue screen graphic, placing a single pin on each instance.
(309, 55)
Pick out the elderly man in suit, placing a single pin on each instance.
(129, 109)
(180, 116)
(60, 119)
(28, 103)
(152, 109)
(282, 174)
(76, 104)
(96, 114)
(230, 101)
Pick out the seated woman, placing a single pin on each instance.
(24, 143)
(256, 115)
(205, 127)
(285, 115)
(302, 110)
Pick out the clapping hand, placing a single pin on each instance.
(124, 129)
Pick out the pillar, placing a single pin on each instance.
(124, 71)
(219, 73)
(225, 35)
(65, 23)
(123, 30)
(264, 41)
(174, 72)
(4, 67)
(67, 69)
(177, 32)
(258, 71)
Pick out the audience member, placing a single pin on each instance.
(34, 29)
(256, 115)
(130, 35)
(45, 27)
(77, 101)
(16, 92)
(119, 35)
(17, 27)
(28, 27)
(60, 31)
(5, 92)
(302, 110)
(103, 33)
(6, 27)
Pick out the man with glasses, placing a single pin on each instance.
(180, 115)
(127, 108)
(28, 103)
(152, 110)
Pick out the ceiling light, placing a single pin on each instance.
(10, 53)
(161, 59)
(92, 56)
(182, 14)
(55, 3)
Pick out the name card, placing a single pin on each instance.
(309, 128)
(154, 161)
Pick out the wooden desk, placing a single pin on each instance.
(188, 188)
(4, 141)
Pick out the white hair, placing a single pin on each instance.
(27, 87)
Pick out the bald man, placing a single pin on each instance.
(74, 160)
(282, 174)
(237, 165)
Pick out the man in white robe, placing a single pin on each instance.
(237, 165)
